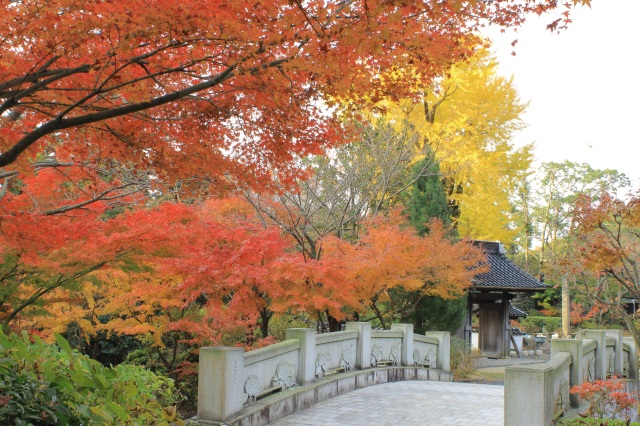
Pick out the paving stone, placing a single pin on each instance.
(408, 403)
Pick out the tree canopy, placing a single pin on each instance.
(467, 119)
(175, 174)
(606, 255)
(226, 91)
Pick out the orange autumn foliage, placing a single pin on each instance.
(221, 90)
(41, 253)
(390, 256)
(201, 269)
(606, 256)
(212, 274)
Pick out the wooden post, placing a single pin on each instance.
(506, 332)
(515, 345)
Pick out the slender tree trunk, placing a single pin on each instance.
(383, 323)
(633, 329)
(526, 238)
(545, 225)
(524, 195)
(566, 304)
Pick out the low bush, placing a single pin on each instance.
(463, 358)
(533, 324)
(597, 422)
(43, 384)
(607, 399)
(593, 325)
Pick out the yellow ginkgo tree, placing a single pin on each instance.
(467, 119)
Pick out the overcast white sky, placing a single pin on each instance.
(583, 86)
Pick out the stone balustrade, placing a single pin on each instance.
(538, 394)
(268, 383)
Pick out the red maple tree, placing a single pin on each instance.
(226, 91)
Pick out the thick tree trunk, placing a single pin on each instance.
(265, 317)
(334, 324)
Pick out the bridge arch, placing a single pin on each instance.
(263, 385)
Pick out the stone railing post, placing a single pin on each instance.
(534, 409)
(363, 349)
(574, 347)
(617, 352)
(600, 336)
(633, 358)
(307, 355)
(530, 394)
(443, 361)
(406, 355)
(220, 383)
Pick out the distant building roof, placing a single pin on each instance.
(503, 274)
(516, 313)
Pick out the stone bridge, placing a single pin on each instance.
(261, 386)
(305, 373)
(593, 355)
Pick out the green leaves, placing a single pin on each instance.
(48, 384)
(24, 400)
(64, 345)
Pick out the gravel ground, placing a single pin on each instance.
(490, 371)
(492, 362)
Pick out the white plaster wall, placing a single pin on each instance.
(519, 340)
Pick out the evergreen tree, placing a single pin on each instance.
(436, 313)
(427, 199)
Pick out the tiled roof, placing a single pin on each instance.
(516, 313)
(503, 274)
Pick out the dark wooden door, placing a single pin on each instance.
(491, 338)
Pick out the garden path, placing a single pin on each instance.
(408, 403)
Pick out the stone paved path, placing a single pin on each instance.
(408, 403)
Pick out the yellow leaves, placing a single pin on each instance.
(139, 304)
(467, 118)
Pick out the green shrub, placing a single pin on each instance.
(593, 325)
(44, 384)
(534, 324)
(185, 374)
(279, 324)
(463, 358)
(24, 400)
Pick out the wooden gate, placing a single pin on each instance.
(491, 338)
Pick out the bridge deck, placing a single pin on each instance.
(408, 403)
